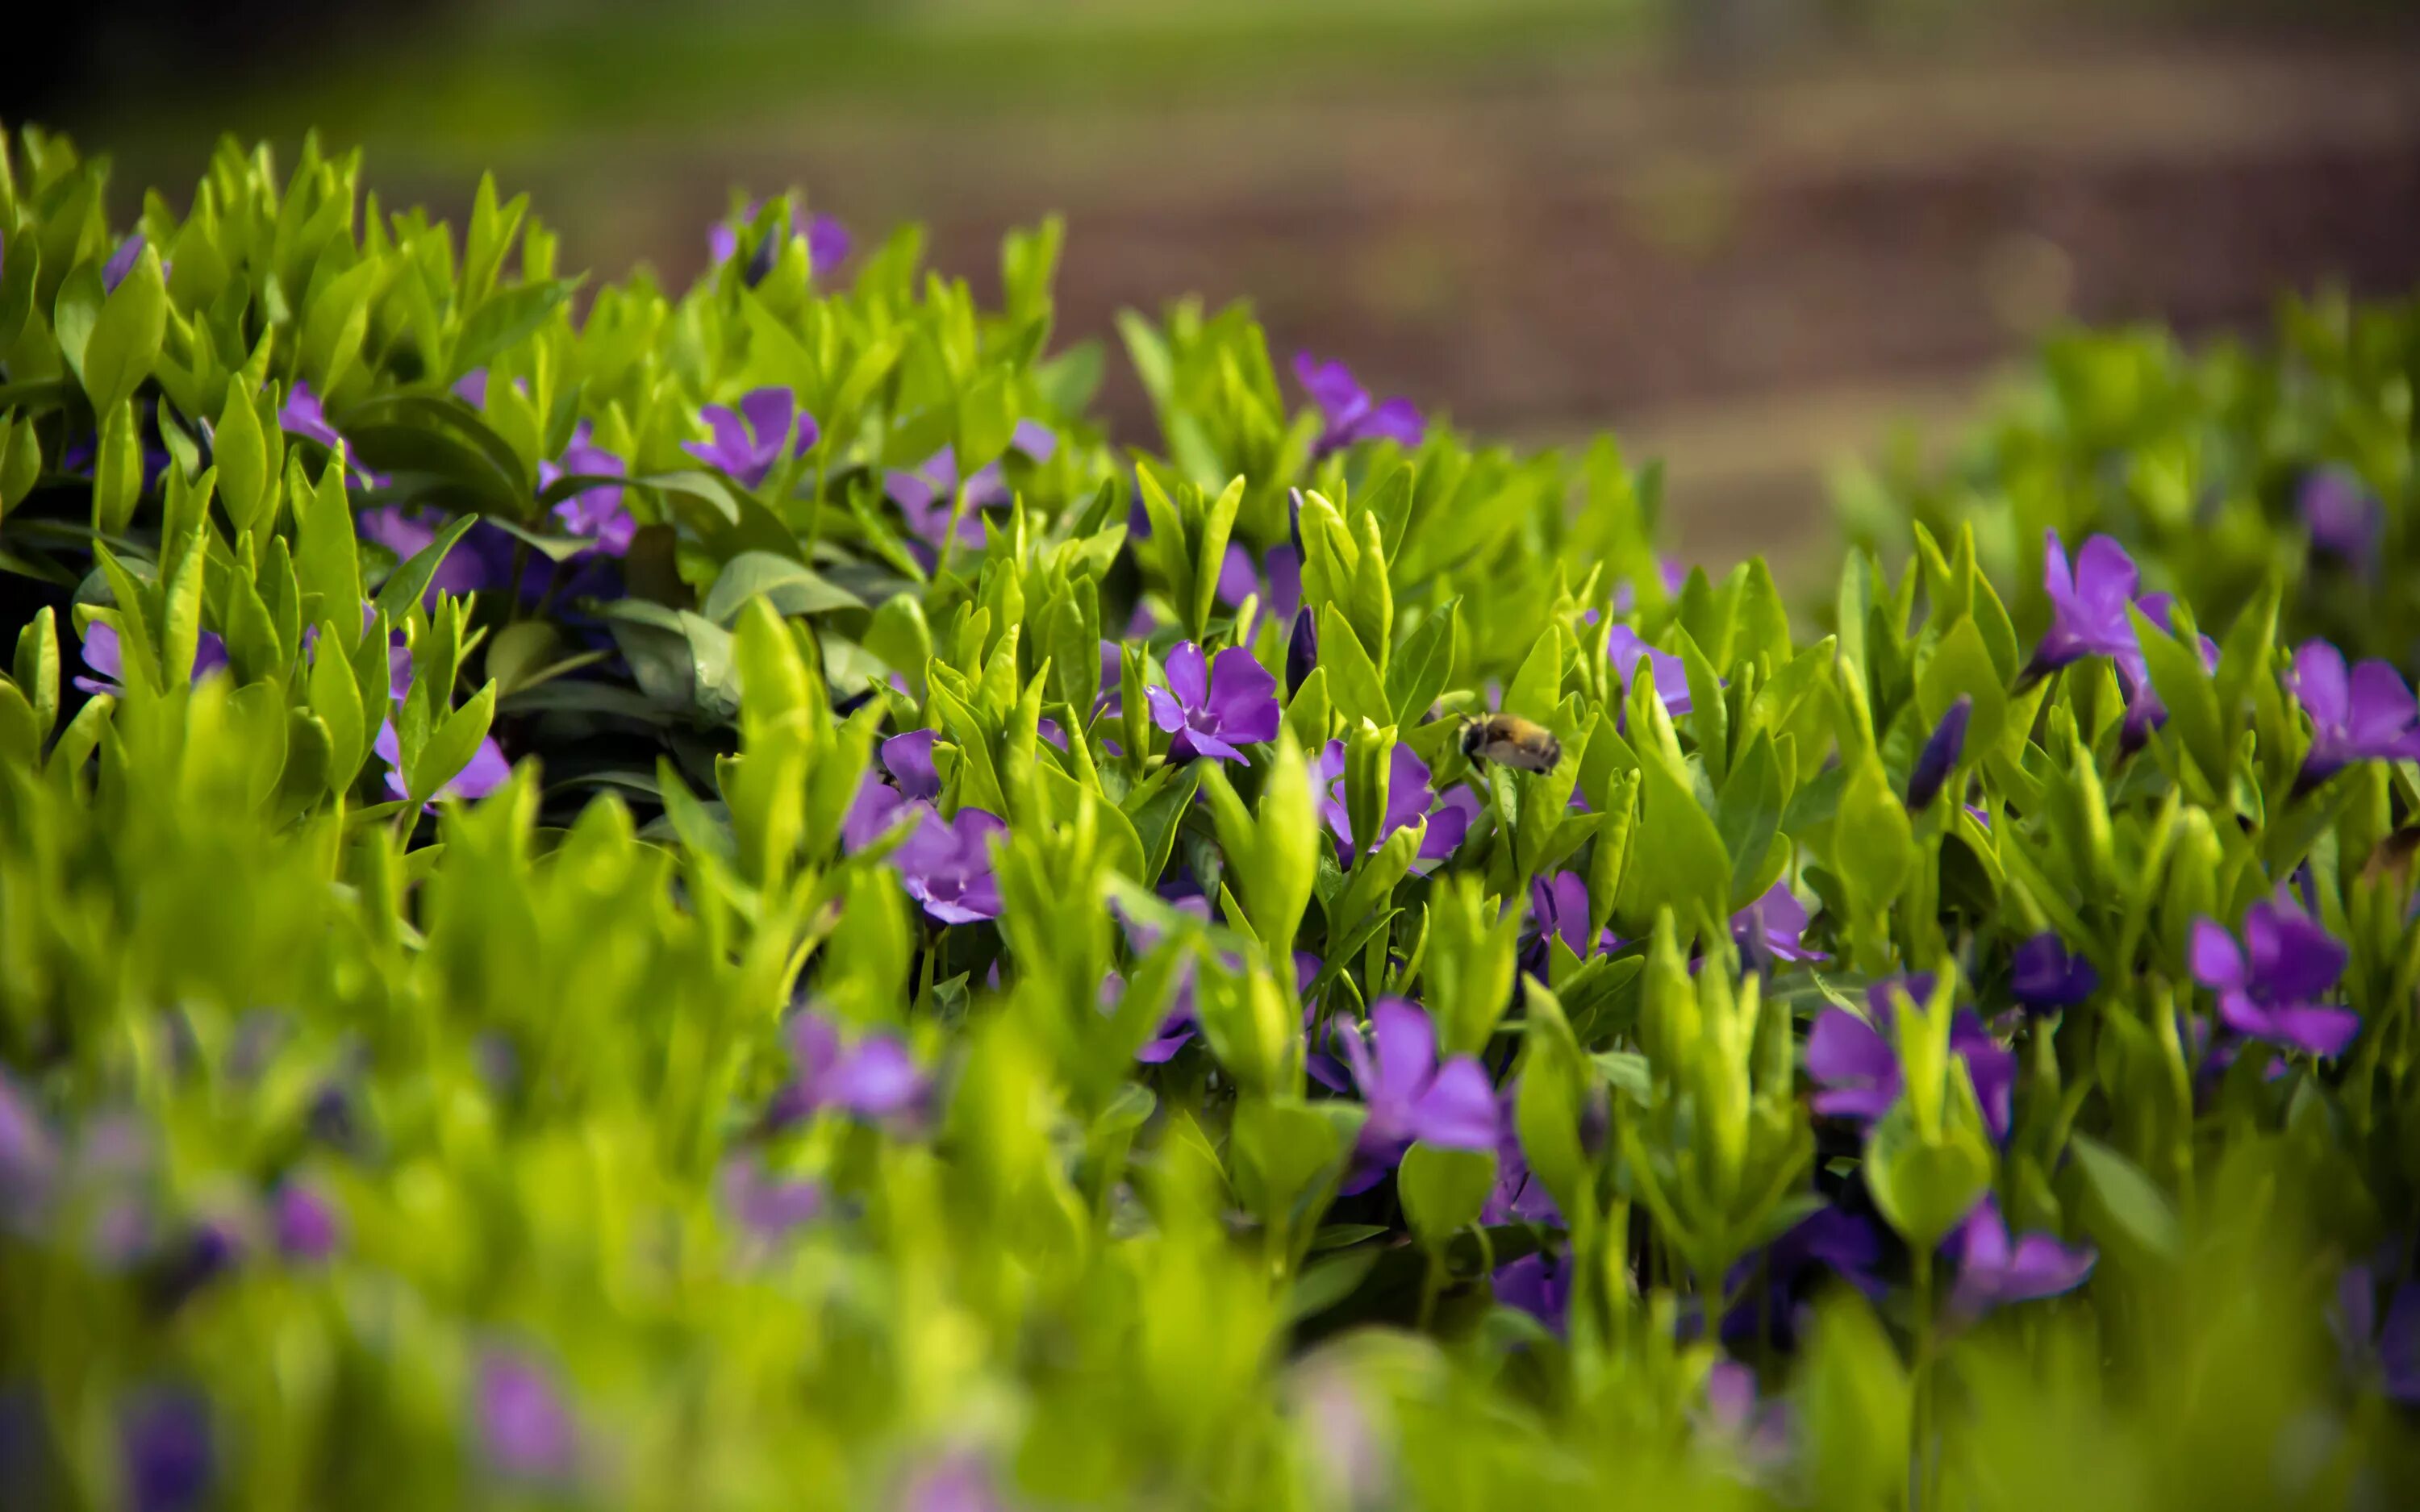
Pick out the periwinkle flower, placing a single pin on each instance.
(1215, 707)
(927, 495)
(1757, 1425)
(1182, 1020)
(1996, 1268)
(2047, 977)
(828, 244)
(1347, 412)
(2268, 987)
(2087, 603)
(121, 263)
(2390, 1346)
(2368, 715)
(1774, 928)
(959, 1482)
(304, 1222)
(597, 512)
(874, 1078)
(1302, 649)
(1409, 1095)
(1559, 907)
(2144, 713)
(105, 657)
(1940, 754)
(2343, 516)
(914, 781)
(466, 568)
(1828, 1244)
(165, 1451)
(769, 1206)
(748, 440)
(487, 770)
(1409, 799)
(525, 1424)
(199, 1256)
(1624, 645)
(1857, 1064)
(1539, 1284)
(946, 866)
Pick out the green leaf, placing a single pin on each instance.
(504, 320)
(404, 586)
(1443, 1190)
(2128, 1209)
(1217, 527)
(1537, 687)
(451, 745)
(125, 335)
(1926, 1190)
(1418, 673)
(1961, 665)
(37, 669)
(2182, 683)
(1353, 680)
(1690, 872)
(789, 586)
(338, 702)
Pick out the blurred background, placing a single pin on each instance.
(1752, 235)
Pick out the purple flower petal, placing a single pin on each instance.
(1458, 1109)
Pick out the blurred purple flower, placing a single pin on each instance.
(828, 242)
(1857, 1064)
(103, 656)
(166, 1450)
(1758, 1427)
(2144, 713)
(1995, 1269)
(946, 866)
(2391, 1346)
(764, 1205)
(2267, 988)
(1772, 927)
(1347, 410)
(1940, 755)
(408, 533)
(2366, 716)
(1559, 907)
(1409, 1095)
(1539, 1284)
(927, 495)
(1409, 799)
(2046, 977)
(304, 1223)
(2088, 606)
(1670, 575)
(2342, 515)
(1180, 1023)
(523, 1421)
(1827, 1244)
(1214, 709)
(748, 440)
(959, 1482)
(1518, 1195)
(873, 1079)
(1624, 645)
(121, 263)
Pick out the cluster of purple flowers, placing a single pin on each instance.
(944, 864)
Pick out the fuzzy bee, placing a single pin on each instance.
(1509, 740)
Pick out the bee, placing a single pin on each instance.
(1509, 740)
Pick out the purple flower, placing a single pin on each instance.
(1409, 1096)
(927, 495)
(1940, 755)
(946, 866)
(1858, 1066)
(523, 1421)
(1214, 708)
(828, 243)
(465, 569)
(954, 1483)
(1774, 927)
(1624, 645)
(878, 805)
(748, 440)
(1758, 1428)
(597, 512)
(2366, 716)
(164, 1446)
(2393, 1345)
(2047, 977)
(2342, 515)
(27, 1157)
(768, 1205)
(1518, 1195)
(1994, 1269)
(2088, 606)
(1409, 799)
(1539, 1284)
(1826, 1244)
(486, 771)
(105, 657)
(2267, 988)
(304, 415)
(305, 1223)
(1559, 906)
(2144, 713)
(1177, 1025)
(1302, 650)
(121, 263)
(1347, 410)
(873, 1079)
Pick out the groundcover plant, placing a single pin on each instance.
(611, 897)
(2219, 470)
